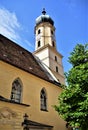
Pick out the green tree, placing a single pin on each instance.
(73, 101)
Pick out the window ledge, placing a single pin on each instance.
(9, 101)
(44, 110)
(19, 103)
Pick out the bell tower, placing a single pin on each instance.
(45, 31)
(45, 46)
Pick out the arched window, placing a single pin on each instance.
(56, 69)
(53, 44)
(43, 100)
(39, 31)
(51, 32)
(16, 91)
(55, 58)
(39, 43)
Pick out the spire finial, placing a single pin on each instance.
(43, 12)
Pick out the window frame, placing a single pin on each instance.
(39, 31)
(57, 69)
(52, 32)
(43, 100)
(53, 43)
(39, 44)
(55, 58)
(16, 92)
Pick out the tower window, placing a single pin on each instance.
(56, 69)
(53, 44)
(55, 58)
(51, 32)
(43, 100)
(39, 43)
(39, 31)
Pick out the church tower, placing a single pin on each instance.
(45, 46)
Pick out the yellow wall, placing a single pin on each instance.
(32, 86)
(8, 121)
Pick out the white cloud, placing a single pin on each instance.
(11, 28)
(9, 25)
(28, 43)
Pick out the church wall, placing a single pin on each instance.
(59, 58)
(58, 63)
(32, 86)
(11, 116)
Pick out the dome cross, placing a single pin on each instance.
(43, 12)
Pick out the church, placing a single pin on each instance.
(30, 83)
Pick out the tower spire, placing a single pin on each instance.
(43, 12)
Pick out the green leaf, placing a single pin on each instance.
(73, 101)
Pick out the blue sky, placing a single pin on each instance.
(17, 21)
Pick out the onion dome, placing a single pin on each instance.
(44, 18)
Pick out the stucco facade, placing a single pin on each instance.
(31, 87)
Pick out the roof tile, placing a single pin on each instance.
(15, 55)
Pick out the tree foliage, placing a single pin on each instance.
(73, 101)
